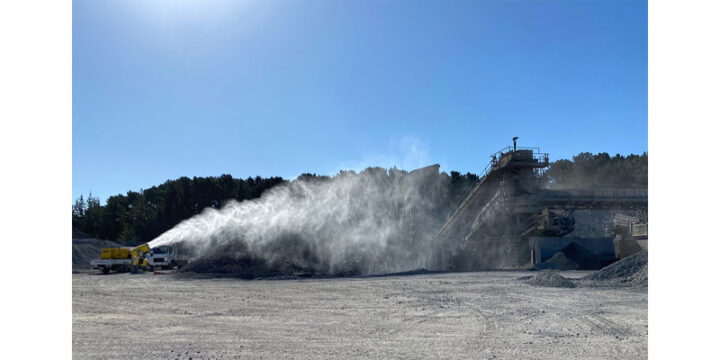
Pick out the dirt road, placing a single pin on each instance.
(481, 315)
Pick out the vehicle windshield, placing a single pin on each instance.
(161, 250)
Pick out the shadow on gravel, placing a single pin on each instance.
(408, 273)
(248, 275)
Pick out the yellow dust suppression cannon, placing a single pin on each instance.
(139, 255)
(123, 259)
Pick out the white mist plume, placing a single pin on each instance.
(406, 152)
(375, 221)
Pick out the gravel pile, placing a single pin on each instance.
(558, 262)
(234, 260)
(550, 279)
(630, 271)
(88, 249)
(574, 257)
(244, 267)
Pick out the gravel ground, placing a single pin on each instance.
(480, 315)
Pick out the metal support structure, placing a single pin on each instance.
(493, 215)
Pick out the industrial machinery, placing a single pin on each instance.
(141, 257)
(122, 259)
(507, 208)
(112, 259)
(549, 223)
(631, 233)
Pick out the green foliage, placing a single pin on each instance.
(78, 211)
(461, 184)
(588, 171)
(139, 217)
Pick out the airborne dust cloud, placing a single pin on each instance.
(373, 222)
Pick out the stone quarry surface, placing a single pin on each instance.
(474, 315)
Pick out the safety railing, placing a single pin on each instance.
(538, 156)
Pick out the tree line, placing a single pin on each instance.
(138, 217)
(594, 171)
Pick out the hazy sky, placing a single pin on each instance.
(201, 88)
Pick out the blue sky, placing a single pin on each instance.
(201, 88)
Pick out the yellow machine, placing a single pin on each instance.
(139, 260)
(113, 253)
(123, 259)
